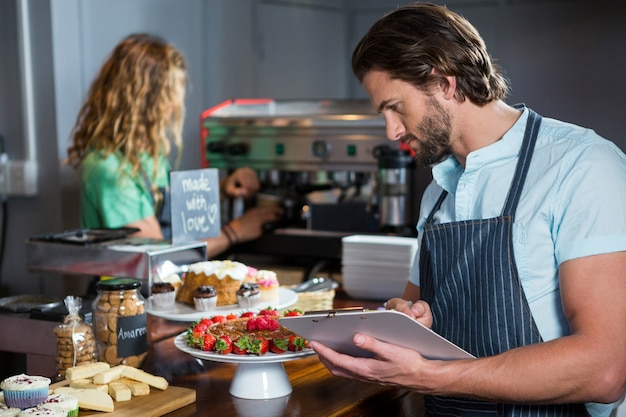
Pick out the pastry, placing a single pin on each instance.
(268, 286)
(66, 403)
(225, 276)
(24, 391)
(205, 298)
(248, 295)
(163, 294)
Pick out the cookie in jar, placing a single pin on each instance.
(119, 320)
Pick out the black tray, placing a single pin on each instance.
(86, 237)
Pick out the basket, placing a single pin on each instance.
(312, 301)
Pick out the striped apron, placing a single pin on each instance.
(469, 278)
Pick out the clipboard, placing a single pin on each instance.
(336, 328)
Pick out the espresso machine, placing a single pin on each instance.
(327, 163)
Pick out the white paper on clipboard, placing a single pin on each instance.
(336, 331)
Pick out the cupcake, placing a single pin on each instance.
(248, 295)
(173, 279)
(6, 411)
(66, 403)
(163, 294)
(268, 286)
(24, 391)
(41, 411)
(205, 298)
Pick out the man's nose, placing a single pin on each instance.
(394, 128)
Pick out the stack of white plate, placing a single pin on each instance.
(376, 267)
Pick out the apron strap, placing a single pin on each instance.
(523, 163)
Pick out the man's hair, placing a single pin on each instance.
(135, 104)
(412, 41)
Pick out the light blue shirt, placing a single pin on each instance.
(573, 204)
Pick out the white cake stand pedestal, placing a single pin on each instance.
(256, 377)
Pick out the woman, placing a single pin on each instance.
(122, 139)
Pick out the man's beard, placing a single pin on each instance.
(435, 129)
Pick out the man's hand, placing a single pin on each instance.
(419, 310)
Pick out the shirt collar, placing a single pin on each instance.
(448, 172)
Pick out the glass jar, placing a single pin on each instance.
(119, 320)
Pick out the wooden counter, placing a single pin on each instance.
(315, 391)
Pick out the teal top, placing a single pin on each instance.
(111, 196)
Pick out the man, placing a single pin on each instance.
(522, 257)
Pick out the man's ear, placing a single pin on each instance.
(447, 84)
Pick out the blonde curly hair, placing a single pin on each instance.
(135, 104)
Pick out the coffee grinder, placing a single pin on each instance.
(394, 184)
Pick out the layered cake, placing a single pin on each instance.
(268, 286)
(225, 276)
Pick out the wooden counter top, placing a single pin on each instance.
(315, 391)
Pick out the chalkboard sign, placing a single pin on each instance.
(195, 199)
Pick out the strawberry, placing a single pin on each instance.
(279, 345)
(268, 311)
(272, 324)
(262, 323)
(194, 336)
(218, 319)
(248, 314)
(259, 346)
(241, 345)
(206, 321)
(224, 345)
(292, 313)
(297, 343)
(231, 316)
(208, 342)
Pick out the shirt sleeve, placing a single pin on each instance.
(111, 197)
(590, 208)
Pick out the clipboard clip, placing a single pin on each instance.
(335, 311)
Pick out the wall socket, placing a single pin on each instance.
(18, 178)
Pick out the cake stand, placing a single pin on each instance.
(256, 377)
(184, 312)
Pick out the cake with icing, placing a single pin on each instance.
(66, 403)
(268, 286)
(25, 391)
(41, 411)
(225, 276)
(6, 411)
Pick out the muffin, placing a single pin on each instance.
(268, 286)
(163, 294)
(41, 411)
(248, 295)
(205, 298)
(173, 279)
(24, 391)
(6, 411)
(66, 403)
